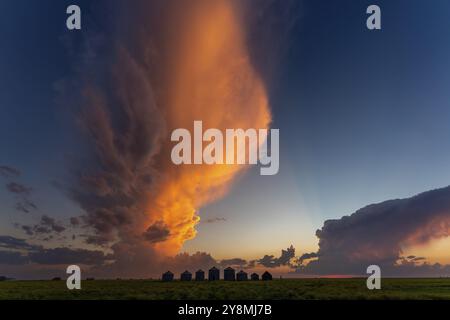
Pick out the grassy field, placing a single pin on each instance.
(276, 289)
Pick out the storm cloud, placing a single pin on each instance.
(284, 259)
(378, 234)
(156, 232)
(152, 81)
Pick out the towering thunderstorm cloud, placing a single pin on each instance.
(379, 233)
(174, 62)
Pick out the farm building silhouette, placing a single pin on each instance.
(254, 276)
(200, 275)
(229, 274)
(186, 276)
(213, 274)
(167, 276)
(266, 276)
(241, 276)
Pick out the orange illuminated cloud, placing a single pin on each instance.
(210, 78)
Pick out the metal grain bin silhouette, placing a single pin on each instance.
(167, 276)
(266, 276)
(200, 275)
(254, 276)
(186, 276)
(229, 274)
(213, 274)
(241, 276)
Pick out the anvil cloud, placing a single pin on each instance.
(177, 63)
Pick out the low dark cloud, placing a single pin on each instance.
(377, 233)
(307, 256)
(28, 260)
(12, 243)
(67, 256)
(9, 172)
(15, 251)
(235, 262)
(269, 261)
(157, 232)
(198, 260)
(12, 258)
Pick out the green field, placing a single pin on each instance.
(276, 289)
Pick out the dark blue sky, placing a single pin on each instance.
(363, 115)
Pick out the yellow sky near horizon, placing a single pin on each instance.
(436, 251)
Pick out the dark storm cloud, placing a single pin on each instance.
(9, 172)
(377, 233)
(122, 129)
(144, 260)
(198, 260)
(157, 232)
(270, 261)
(306, 256)
(121, 83)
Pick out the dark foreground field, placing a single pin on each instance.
(276, 289)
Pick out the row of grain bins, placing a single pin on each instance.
(229, 274)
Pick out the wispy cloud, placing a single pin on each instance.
(9, 172)
(18, 188)
(214, 220)
(20, 191)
